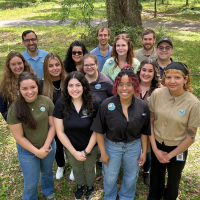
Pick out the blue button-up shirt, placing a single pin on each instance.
(100, 57)
(36, 63)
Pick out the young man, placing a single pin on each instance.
(103, 50)
(164, 51)
(33, 54)
(148, 50)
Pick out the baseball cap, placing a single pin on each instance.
(165, 40)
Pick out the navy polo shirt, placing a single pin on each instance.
(102, 88)
(77, 128)
(112, 121)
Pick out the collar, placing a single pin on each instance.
(98, 53)
(159, 65)
(99, 79)
(38, 56)
(178, 100)
(146, 54)
(118, 102)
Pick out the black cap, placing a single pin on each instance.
(178, 66)
(165, 40)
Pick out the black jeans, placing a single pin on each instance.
(157, 175)
(59, 153)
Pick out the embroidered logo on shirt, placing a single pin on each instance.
(42, 108)
(111, 106)
(181, 112)
(98, 86)
(148, 98)
(111, 62)
(84, 112)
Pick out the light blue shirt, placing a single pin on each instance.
(100, 57)
(36, 63)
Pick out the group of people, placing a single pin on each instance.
(137, 108)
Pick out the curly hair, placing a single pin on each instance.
(86, 96)
(23, 111)
(155, 82)
(8, 87)
(186, 86)
(130, 53)
(69, 63)
(48, 85)
(129, 71)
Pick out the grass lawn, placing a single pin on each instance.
(57, 39)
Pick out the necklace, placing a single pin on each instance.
(33, 105)
(56, 88)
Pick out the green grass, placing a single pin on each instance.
(172, 10)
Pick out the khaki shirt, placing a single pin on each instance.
(140, 55)
(173, 115)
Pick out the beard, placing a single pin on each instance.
(148, 47)
(32, 49)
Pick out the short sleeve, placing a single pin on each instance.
(51, 107)
(109, 87)
(151, 102)
(136, 65)
(58, 113)
(105, 68)
(11, 118)
(194, 117)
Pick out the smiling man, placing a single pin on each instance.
(148, 50)
(103, 50)
(33, 54)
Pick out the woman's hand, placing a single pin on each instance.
(142, 159)
(80, 156)
(105, 158)
(160, 155)
(42, 152)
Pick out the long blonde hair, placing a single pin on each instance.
(48, 84)
(8, 87)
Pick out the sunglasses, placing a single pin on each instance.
(77, 52)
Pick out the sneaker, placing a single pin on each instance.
(146, 178)
(71, 176)
(59, 173)
(51, 197)
(89, 193)
(79, 192)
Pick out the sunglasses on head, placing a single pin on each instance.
(77, 52)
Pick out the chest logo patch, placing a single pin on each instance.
(84, 112)
(42, 108)
(148, 98)
(111, 62)
(98, 86)
(181, 112)
(111, 106)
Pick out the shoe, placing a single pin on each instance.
(146, 178)
(71, 176)
(51, 197)
(59, 173)
(89, 193)
(79, 192)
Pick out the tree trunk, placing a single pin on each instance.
(162, 1)
(187, 3)
(127, 12)
(155, 10)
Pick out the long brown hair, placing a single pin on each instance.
(48, 85)
(130, 53)
(8, 85)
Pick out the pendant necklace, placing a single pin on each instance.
(56, 88)
(33, 105)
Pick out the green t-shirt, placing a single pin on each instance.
(110, 63)
(43, 107)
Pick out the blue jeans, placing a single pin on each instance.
(147, 164)
(31, 167)
(128, 154)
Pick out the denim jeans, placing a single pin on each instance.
(128, 154)
(31, 167)
(147, 164)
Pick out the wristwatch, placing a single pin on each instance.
(87, 154)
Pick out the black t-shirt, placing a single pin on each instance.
(112, 121)
(77, 128)
(56, 91)
(101, 88)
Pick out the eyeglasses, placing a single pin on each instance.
(77, 52)
(32, 40)
(127, 85)
(166, 48)
(90, 65)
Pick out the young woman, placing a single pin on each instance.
(126, 121)
(54, 77)
(31, 123)
(148, 74)
(73, 116)
(100, 84)
(15, 64)
(74, 57)
(122, 54)
(174, 121)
